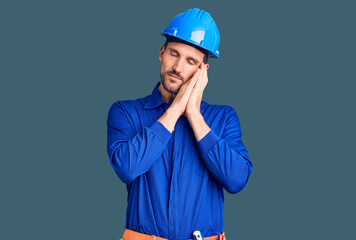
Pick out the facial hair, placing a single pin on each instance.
(164, 83)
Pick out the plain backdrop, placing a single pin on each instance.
(287, 67)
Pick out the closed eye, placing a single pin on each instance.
(191, 62)
(173, 53)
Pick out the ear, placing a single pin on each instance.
(161, 51)
(207, 66)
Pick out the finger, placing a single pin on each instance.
(195, 77)
(201, 78)
(205, 76)
(201, 84)
(189, 85)
(192, 82)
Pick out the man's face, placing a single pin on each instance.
(179, 62)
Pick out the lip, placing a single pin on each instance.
(173, 76)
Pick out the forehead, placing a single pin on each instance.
(185, 50)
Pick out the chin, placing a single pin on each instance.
(171, 87)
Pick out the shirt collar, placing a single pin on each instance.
(155, 99)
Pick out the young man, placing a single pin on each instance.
(175, 152)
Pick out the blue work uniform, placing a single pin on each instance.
(174, 183)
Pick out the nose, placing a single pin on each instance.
(178, 66)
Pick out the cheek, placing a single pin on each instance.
(166, 66)
(191, 71)
(163, 68)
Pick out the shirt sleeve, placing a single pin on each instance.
(133, 154)
(226, 157)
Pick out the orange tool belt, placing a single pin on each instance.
(132, 235)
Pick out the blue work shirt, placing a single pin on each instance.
(174, 183)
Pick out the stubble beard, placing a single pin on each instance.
(164, 84)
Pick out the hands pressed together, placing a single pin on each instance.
(187, 102)
(189, 97)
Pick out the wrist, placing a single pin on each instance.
(169, 119)
(198, 124)
(175, 110)
(194, 116)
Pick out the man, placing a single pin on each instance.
(175, 152)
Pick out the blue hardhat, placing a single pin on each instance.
(197, 27)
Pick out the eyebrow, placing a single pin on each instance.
(189, 57)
